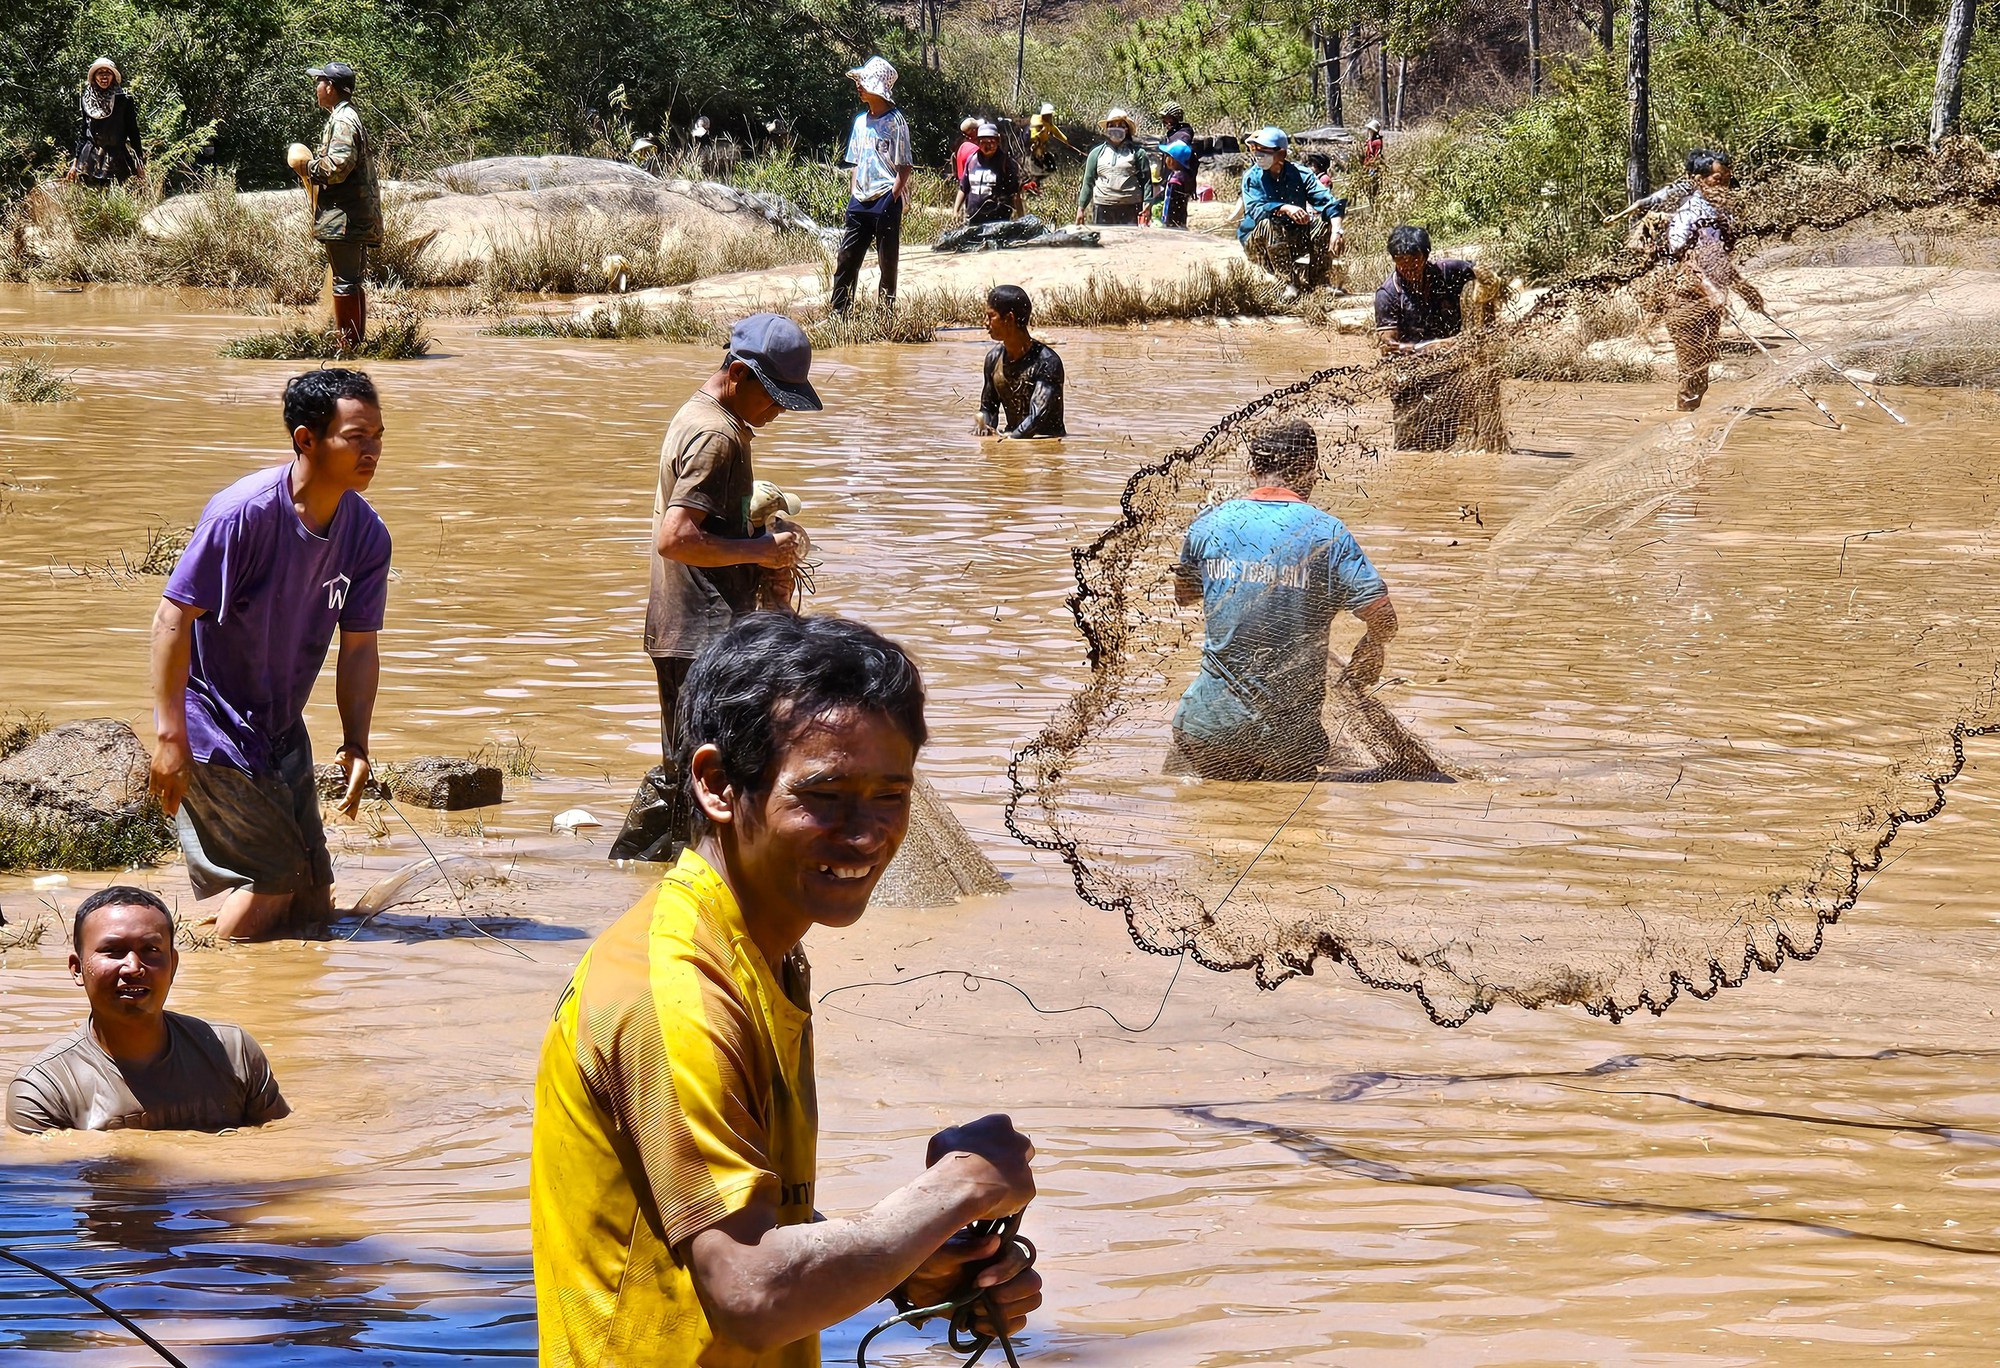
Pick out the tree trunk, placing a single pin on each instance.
(1021, 54)
(1952, 52)
(1607, 26)
(1354, 76)
(1638, 158)
(1402, 80)
(1330, 64)
(1382, 78)
(1534, 47)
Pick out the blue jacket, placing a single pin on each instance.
(1265, 192)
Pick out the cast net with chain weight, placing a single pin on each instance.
(1651, 728)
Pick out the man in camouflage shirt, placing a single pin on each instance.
(347, 206)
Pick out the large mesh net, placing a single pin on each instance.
(1647, 727)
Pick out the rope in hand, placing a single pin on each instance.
(962, 1338)
(107, 1309)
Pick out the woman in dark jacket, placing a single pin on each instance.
(108, 150)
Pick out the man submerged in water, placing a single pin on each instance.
(133, 1065)
(1420, 312)
(1024, 377)
(671, 1182)
(1271, 573)
(280, 559)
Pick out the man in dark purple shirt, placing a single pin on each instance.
(280, 560)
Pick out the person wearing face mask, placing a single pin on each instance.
(989, 185)
(1700, 237)
(108, 149)
(1292, 225)
(1117, 176)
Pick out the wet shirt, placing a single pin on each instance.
(1428, 314)
(675, 1089)
(877, 146)
(271, 592)
(1266, 192)
(213, 1077)
(1028, 391)
(1274, 572)
(704, 466)
(988, 179)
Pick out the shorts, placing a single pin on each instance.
(260, 832)
(1295, 757)
(349, 261)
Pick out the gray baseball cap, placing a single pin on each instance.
(340, 73)
(778, 354)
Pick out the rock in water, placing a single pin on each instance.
(938, 863)
(75, 798)
(435, 781)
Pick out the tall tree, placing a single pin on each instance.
(1638, 149)
(1534, 47)
(1952, 52)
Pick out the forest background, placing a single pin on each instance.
(1518, 129)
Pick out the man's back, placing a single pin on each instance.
(1274, 572)
(676, 1083)
(213, 1077)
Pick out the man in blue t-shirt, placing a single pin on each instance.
(878, 150)
(1271, 573)
(280, 559)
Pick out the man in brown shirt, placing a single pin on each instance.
(705, 558)
(133, 1065)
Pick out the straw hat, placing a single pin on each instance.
(1119, 116)
(104, 64)
(968, 125)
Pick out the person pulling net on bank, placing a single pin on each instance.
(1271, 573)
(1023, 391)
(1292, 226)
(1443, 393)
(1701, 239)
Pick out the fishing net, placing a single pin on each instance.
(1646, 727)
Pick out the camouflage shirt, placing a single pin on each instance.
(347, 206)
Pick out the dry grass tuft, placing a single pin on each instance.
(30, 380)
(401, 337)
(679, 321)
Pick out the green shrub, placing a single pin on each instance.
(29, 380)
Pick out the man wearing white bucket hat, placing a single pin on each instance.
(878, 149)
(1117, 175)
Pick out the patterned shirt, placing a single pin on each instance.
(878, 147)
(675, 1090)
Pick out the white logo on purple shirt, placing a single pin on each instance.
(336, 591)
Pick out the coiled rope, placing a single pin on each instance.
(962, 1338)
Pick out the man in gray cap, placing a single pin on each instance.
(346, 205)
(706, 558)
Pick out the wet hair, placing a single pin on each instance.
(310, 399)
(770, 676)
(1285, 449)
(118, 895)
(1010, 301)
(1703, 161)
(1408, 240)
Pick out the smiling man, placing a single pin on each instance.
(280, 559)
(676, 1123)
(133, 1065)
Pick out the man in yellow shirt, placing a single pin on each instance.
(671, 1184)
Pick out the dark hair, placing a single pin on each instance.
(1408, 240)
(1319, 161)
(761, 682)
(1284, 449)
(118, 895)
(1010, 301)
(310, 399)
(1703, 161)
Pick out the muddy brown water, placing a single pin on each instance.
(1801, 1171)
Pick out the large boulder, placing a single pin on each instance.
(172, 217)
(490, 174)
(437, 781)
(75, 798)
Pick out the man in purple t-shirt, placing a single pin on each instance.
(280, 559)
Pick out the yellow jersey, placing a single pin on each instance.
(675, 1088)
